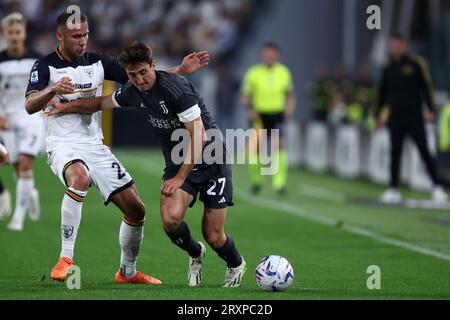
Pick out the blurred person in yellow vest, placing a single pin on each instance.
(268, 94)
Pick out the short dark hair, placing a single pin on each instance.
(61, 21)
(136, 53)
(398, 36)
(271, 45)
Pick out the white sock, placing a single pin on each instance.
(23, 189)
(70, 220)
(130, 239)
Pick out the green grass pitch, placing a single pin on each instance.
(329, 240)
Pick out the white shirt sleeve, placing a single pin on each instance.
(190, 114)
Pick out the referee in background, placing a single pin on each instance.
(405, 82)
(268, 94)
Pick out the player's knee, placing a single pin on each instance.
(136, 211)
(80, 181)
(25, 164)
(215, 238)
(170, 220)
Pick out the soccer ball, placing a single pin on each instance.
(274, 273)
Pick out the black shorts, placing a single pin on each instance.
(273, 121)
(213, 183)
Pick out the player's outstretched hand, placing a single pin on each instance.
(63, 86)
(194, 62)
(169, 187)
(4, 155)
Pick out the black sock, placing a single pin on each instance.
(230, 254)
(1, 187)
(183, 239)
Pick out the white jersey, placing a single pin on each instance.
(88, 75)
(14, 74)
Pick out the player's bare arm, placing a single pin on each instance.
(191, 63)
(198, 141)
(36, 101)
(84, 106)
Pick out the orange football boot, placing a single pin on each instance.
(139, 278)
(61, 270)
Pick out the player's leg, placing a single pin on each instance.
(131, 235)
(77, 179)
(213, 232)
(418, 134)
(254, 166)
(397, 135)
(173, 211)
(5, 202)
(33, 146)
(24, 188)
(279, 180)
(12, 143)
(116, 185)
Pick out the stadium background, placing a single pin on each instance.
(324, 220)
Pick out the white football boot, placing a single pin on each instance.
(15, 225)
(391, 196)
(438, 195)
(34, 207)
(233, 276)
(195, 271)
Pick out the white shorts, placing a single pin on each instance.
(105, 170)
(27, 138)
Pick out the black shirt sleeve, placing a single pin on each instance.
(113, 70)
(426, 84)
(382, 97)
(186, 97)
(39, 77)
(126, 96)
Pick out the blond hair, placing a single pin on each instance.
(12, 18)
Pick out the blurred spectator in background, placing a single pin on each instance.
(320, 93)
(172, 27)
(341, 95)
(405, 81)
(364, 99)
(268, 94)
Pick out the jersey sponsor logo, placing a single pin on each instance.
(162, 104)
(34, 78)
(169, 124)
(83, 86)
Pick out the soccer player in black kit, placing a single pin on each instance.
(406, 82)
(171, 102)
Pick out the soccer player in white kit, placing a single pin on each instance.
(75, 149)
(23, 135)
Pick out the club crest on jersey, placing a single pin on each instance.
(67, 231)
(34, 78)
(162, 104)
(89, 72)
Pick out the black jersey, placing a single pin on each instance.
(171, 102)
(405, 85)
